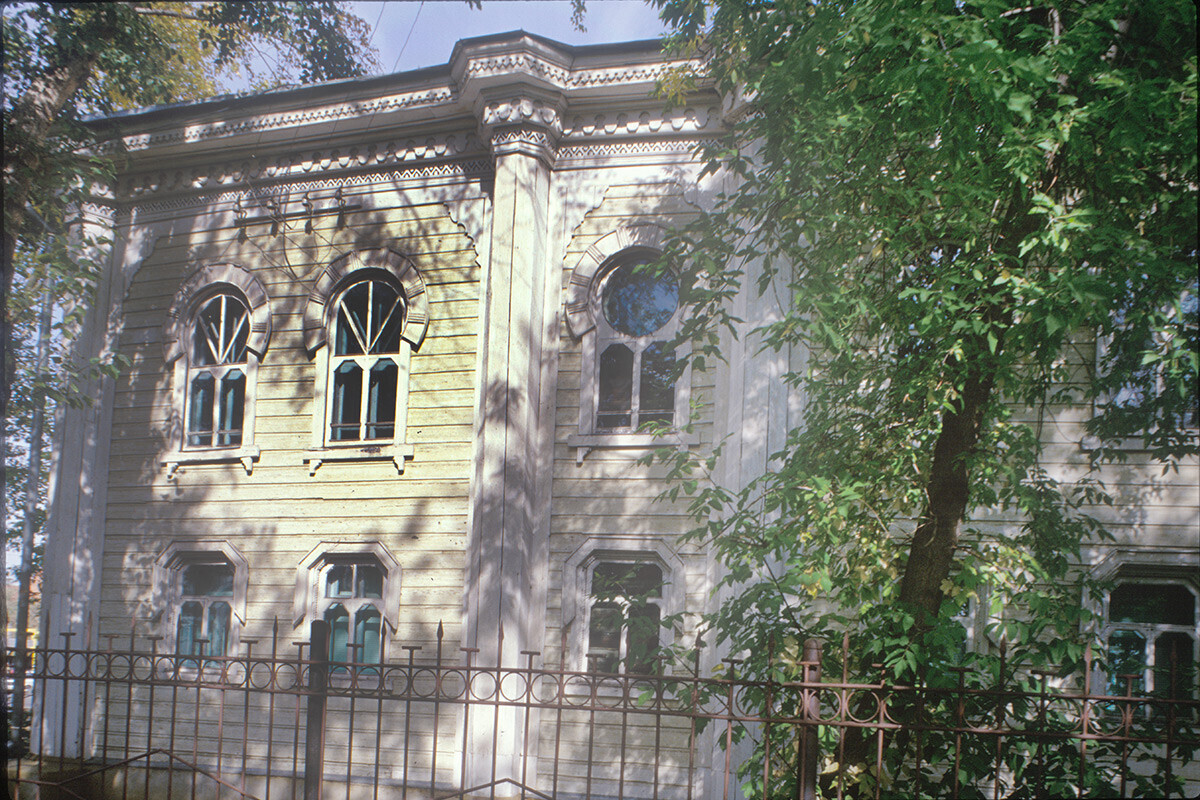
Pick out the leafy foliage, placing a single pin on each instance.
(950, 204)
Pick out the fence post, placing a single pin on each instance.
(810, 712)
(314, 734)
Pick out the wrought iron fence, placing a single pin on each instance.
(128, 721)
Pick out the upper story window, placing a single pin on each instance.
(363, 373)
(635, 380)
(368, 312)
(216, 386)
(217, 332)
(626, 312)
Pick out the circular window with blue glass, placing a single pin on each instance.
(637, 299)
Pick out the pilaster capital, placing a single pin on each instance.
(522, 124)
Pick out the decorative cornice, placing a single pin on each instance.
(565, 78)
(303, 163)
(463, 169)
(675, 120)
(570, 152)
(266, 122)
(526, 125)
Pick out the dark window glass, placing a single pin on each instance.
(370, 318)
(347, 399)
(233, 402)
(1174, 667)
(370, 581)
(1126, 656)
(218, 628)
(200, 410)
(208, 580)
(381, 400)
(339, 581)
(656, 395)
(636, 301)
(1153, 603)
(616, 387)
(188, 632)
(624, 614)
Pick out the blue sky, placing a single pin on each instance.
(432, 27)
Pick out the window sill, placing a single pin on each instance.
(247, 454)
(586, 442)
(396, 453)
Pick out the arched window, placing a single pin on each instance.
(216, 333)
(368, 313)
(625, 310)
(363, 369)
(200, 599)
(216, 384)
(635, 381)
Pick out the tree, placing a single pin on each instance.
(66, 61)
(952, 200)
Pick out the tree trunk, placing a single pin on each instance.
(936, 538)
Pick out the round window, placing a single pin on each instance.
(636, 301)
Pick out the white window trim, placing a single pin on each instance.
(167, 590)
(308, 600)
(196, 290)
(319, 315)
(1130, 566)
(586, 322)
(577, 586)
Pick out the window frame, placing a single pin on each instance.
(586, 323)
(320, 321)
(310, 603)
(168, 597)
(1151, 631)
(578, 600)
(194, 295)
(1131, 565)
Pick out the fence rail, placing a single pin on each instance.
(128, 721)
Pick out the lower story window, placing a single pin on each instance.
(625, 618)
(1152, 639)
(353, 593)
(205, 613)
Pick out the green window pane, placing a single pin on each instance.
(218, 628)
(200, 410)
(233, 401)
(339, 633)
(1126, 656)
(1174, 665)
(347, 399)
(367, 635)
(207, 580)
(187, 632)
(641, 640)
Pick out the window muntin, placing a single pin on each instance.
(352, 594)
(205, 613)
(363, 370)
(625, 617)
(635, 368)
(216, 375)
(1151, 630)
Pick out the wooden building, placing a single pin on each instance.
(387, 355)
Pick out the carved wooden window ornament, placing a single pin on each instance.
(200, 599)
(217, 332)
(368, 312)
(355, 587)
